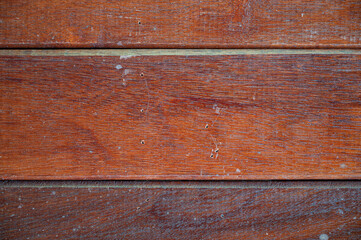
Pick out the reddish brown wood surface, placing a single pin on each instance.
(180, 24)
(181, 117)
(179, 213)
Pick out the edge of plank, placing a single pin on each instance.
(184, 184)
(125, 53)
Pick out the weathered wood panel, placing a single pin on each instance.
(181, 212)
(268, 116)
(180, 24)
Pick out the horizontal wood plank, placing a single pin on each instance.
(111, 212)
(180, 24)
(243, 116)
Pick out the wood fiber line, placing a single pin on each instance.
(248, 117)
(180, 24)
(116, 213)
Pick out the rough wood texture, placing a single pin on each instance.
(181, 117)
(180, 24)
(179, 213)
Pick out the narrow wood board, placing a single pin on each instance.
(122, 211)
(180, 24)
(171, 116)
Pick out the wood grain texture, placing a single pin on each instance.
(179, 213)
(180, 24)
(181, 117)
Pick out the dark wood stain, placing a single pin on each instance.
(180, 24)
(176, 213)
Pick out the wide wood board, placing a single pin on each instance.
(180, 24)
(164, 115)
(194, 210)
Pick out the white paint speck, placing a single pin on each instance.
(119, 43)
(323, 236)
(20, 206)
(340, 211)
(302, 15)
(90, 151)
(343, 165)
(53, 193)
(237, 170)
(127, 71)
(118, 67)
(124, 57)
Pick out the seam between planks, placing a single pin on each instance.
(185, 184)
(125, 53)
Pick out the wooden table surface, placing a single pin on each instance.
(123, 119)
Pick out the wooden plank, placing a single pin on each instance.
(243, 116)
(180, 24)
(112, 212)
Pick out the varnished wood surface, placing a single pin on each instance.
(120, 211)
(180, 24)
(271, 116)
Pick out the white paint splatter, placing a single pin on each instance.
(127, 71)
(323, 236)
(118, 67)
(125, 57)
(119, 43)
(343, 165)
(216, 108)
(237, 170)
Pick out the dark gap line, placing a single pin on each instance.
(316, 184)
